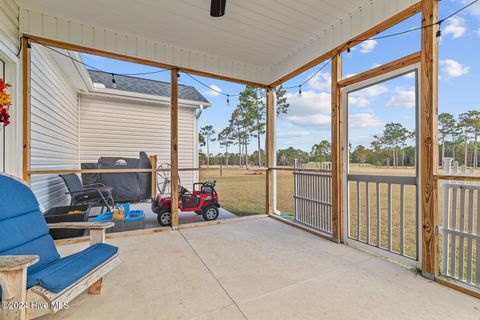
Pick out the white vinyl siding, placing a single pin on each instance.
(9, 35)
(116, 127)
(54, 127)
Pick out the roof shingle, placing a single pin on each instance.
(146, 86)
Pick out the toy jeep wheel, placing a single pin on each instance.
(210, 213)
(164, 218)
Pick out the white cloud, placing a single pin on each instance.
(349, 75)
(358, 100)
(368, 46)
(361, 98)
(310, 109)
(213, 93)
(374, 90)
(403, 98)
(291, 134)
(363, 120)
(455, 27)
(321, 81)
(478, 32)
(453, 68)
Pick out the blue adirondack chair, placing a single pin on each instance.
(31, 270)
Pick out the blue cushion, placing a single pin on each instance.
(16, 198)
(23, 229)
(62, 273)
(43, 247)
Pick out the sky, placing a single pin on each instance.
(308, 119)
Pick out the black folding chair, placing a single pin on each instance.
(95, 195)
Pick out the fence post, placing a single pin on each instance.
(269, 152)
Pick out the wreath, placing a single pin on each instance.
(5, 103)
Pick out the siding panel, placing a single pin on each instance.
(9, 34)
(114, 127)
(54, 134)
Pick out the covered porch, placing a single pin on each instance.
(355, 246)
(260, 268)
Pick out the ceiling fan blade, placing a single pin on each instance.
(217, 8)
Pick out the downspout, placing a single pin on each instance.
(78, 130)
(196, 162)
(274, 156)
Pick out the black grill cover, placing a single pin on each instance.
(126, 186)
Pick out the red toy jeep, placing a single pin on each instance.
(203, 200)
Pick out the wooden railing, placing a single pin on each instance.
(460, 228)
(313, 197)
(360, 206)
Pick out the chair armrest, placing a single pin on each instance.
(97, 229)
(93, 185)
(83, 190)
(15, 263)
(81, 225)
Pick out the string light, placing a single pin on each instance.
(339, 51)
(439, 31)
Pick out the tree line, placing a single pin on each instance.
(458, 137)
(394, 147)
(247, 122)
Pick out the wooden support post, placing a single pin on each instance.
(270, 131)
(153, 162)
(174, 147)
(337, 151)
(13, 282)
(16, 284)
(26, 92)
(428, 137)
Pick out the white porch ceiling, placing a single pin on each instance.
(257, 41)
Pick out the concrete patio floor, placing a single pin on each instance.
(259, 269)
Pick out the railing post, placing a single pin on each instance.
(337, 151)
(174, 147)
(269, 152)
(428, 137)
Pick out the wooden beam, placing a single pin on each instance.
(458, 286)
(386, 68)
(384, 25)
(456, 178)
(428, 137)
(26, 93)
(174, 147)
(107, 54)
(153, 162)
(337, 151)
(270, 132)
